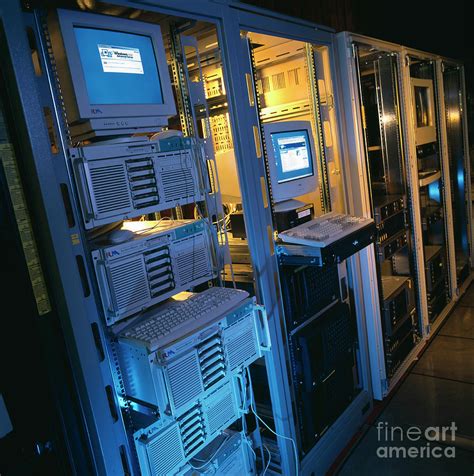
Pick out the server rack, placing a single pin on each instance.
(72, 286)
(436, 312)
(317, 457)
(376, 158)
(64, 240)
(427, 152)
(427, 217)
(453, 110)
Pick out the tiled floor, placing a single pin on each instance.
(438, 391)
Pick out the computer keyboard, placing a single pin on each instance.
(324, 230)
(177, 318)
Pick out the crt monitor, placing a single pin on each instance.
(113, 73)
(291, 159)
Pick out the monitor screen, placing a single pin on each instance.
(118, 67)
(293, 158)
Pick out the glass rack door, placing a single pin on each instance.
(295, 100)
(453, 98)
(390, 201)
(423, 91)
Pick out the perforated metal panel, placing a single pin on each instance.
(109, 185)
(185, 379)
(193, 260)
(241, 348)
(165, 452)
(220, 409)
(129, 281)
(177, 184)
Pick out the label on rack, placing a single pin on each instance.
(22, 216)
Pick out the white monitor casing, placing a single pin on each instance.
(288, 190)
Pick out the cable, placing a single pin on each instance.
(251, 449)
(269, 459)
(145, 230)
(268, 428)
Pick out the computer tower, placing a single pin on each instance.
(386, 206)
(124, 180)
(322, 358)
(173, 376)
(162, 259)
(389, 247)
(398, 302)
(434, 266)
(165, 446)
(307, 290)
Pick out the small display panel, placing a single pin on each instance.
(118, 67)
(292, 155)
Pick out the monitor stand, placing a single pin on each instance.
(291, 213)
(288, 205)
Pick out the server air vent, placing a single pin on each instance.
(221, 413)
(193, 265)
(166, 451)
(129, 282)
(110, 188)
(185, 380)
(241, 348)
(178, 184)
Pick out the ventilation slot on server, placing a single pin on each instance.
(308, 290)
(192, 429)
(177, 184)
(165, 452)
(211, 360)
(220, 414)
(159, 270)
(143, 187)
(339, 336)
(110, 187)
(185, 380)
(129, 282)
(192, 265)
(241, 348)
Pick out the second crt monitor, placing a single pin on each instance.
(291, 162)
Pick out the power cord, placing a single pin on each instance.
(268, 428)
(269, 460)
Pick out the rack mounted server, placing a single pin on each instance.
(162, 259)
(165, 446)
(124, 180)
(193, 384)
(175, 375)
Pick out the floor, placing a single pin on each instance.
(439, 390)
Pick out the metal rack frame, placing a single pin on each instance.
(357, 168)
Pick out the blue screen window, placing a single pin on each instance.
(292, 155)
